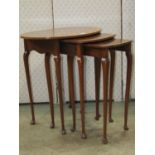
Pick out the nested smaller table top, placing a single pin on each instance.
(90, 39)
(109, 43)
(61, 33)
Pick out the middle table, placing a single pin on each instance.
(74, 47)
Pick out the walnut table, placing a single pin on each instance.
(48, 42)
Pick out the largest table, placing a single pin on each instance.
(48, 42)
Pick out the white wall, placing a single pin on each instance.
(36, 14)
(129, 33)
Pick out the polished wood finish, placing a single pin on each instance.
(48, 42)
(90, 39)
(105, 65)
(128, 81)
(61, 33)
(112, 71)
(80, 62)
(58, 74)
(123, 46)
(98, 46)
(77, 49)
(97, 68)
(48, 47)
(97, 83)
(109, 44)
(100, 50)
(70, 61)
(70, 45)
(49, 84)
(28, 78)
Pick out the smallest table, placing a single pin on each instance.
(112, 46)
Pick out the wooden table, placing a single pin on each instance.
(48, 42)
(74, 47)
(119, 45)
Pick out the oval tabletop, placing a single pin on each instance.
(109, 43)
(61, 33)
(90, 39)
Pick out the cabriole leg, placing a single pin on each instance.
(58, 74)
(70, 60)
(82, 106)
(112, 70)
(105, 66)
(28, 78)
(49, 84)
(128, 81)
(97, 67)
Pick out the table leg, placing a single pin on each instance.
(69, 83)
(82, 106)
(49, 84)
(128, 81)
(70, 61)
(105, 65)
(58, 74)
(112, 70)
(27, 71)
(97, 65)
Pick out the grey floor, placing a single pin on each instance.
(39, 139)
